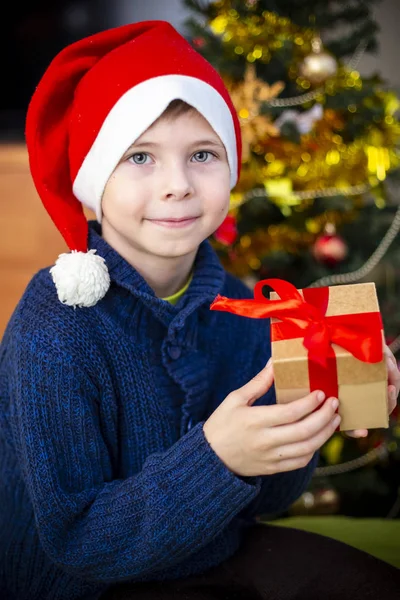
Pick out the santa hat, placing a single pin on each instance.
(95, 99)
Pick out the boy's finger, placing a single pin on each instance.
(355, 433)
(311, 445)
(392, 398)
(387, 351)
(282, 414)
(256, 387)
(393, 375)
(307, 427)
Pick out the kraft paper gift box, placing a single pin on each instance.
(325, 338)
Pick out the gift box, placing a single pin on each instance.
(327, 338)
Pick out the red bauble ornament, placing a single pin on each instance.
(199, 42)
(330, 249)
(227, 232)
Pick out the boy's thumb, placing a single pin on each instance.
(256, 387)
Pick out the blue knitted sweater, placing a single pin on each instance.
(105, 473)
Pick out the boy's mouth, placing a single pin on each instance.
(181, 222)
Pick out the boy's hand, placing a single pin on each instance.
(393, 390)
(262, 440)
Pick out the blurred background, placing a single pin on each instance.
(316, 85)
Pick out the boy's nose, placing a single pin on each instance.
(178, 194)
(177, 186)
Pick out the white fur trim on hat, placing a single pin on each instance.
(134, 112)
(81, 278)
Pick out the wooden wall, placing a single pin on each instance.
(29, 240)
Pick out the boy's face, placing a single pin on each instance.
(170, 190)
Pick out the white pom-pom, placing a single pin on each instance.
(81, 278)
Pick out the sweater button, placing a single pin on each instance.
(174, 352)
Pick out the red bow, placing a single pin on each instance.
(360, 334)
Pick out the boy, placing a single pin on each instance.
(131, 454)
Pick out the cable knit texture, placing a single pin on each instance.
(105, 473)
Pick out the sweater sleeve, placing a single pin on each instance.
(280, 490)
(109, 531)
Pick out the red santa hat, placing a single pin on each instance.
(96, 98)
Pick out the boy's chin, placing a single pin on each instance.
(177, 251)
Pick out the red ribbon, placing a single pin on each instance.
(359, 334)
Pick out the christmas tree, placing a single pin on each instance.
(316, 202)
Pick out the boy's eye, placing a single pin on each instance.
(140, 158)
(203, 156)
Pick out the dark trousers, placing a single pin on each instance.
(279, 563)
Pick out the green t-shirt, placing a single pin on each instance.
(175, 297)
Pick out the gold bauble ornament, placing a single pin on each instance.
(318, 66)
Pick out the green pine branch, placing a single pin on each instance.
(348, 44)
(198, 6)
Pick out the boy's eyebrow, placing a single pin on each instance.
(207, 143)
(195, 143)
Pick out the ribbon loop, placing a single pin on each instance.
(284, 289)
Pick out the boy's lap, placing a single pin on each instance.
(299, 565)
(277, 563)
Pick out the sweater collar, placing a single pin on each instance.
(207, 283)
